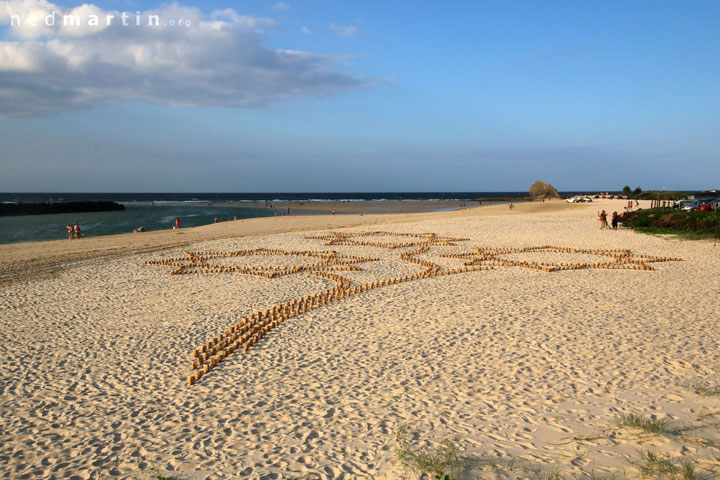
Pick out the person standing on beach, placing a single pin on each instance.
(70, 231)
(614, 220)
(77, 231)
(177, 222)
(603, 219)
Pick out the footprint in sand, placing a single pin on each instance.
(310, 437)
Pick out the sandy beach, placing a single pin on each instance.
(21, 261)
(526, 357)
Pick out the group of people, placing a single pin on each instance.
(630, 205)
(73, 231)
(603, 220)
(230, 219)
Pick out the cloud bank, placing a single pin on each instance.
(186, 57)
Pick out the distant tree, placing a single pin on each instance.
(543, 190)
(637, 191)
(627, 191)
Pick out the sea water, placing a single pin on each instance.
(28, 228)
(157, 211)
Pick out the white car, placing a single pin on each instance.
(578, 199)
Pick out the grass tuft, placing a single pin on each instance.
(653, 464)
(706, 390)
(443, 461)
(553, 475)
(687, 470)
(659, 466)
(648, 425)
(153, 473)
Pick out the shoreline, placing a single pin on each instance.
(37, 260)
(47, 227)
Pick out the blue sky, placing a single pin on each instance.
(400, 96)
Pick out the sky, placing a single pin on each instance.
(332, 96)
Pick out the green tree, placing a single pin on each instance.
(627, 191)
(637, 191)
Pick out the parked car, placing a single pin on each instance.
(709, 205)
(578, 199)
(696, 204)
(686, 201)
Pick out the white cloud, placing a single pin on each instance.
(218, 60)
(345, 30)
(28, 11)
(281, 6)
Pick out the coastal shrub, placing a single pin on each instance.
(660, 195)
(543, 190)
(688, 224)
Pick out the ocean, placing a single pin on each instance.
(157, 211)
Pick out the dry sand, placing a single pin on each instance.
(528, 367)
